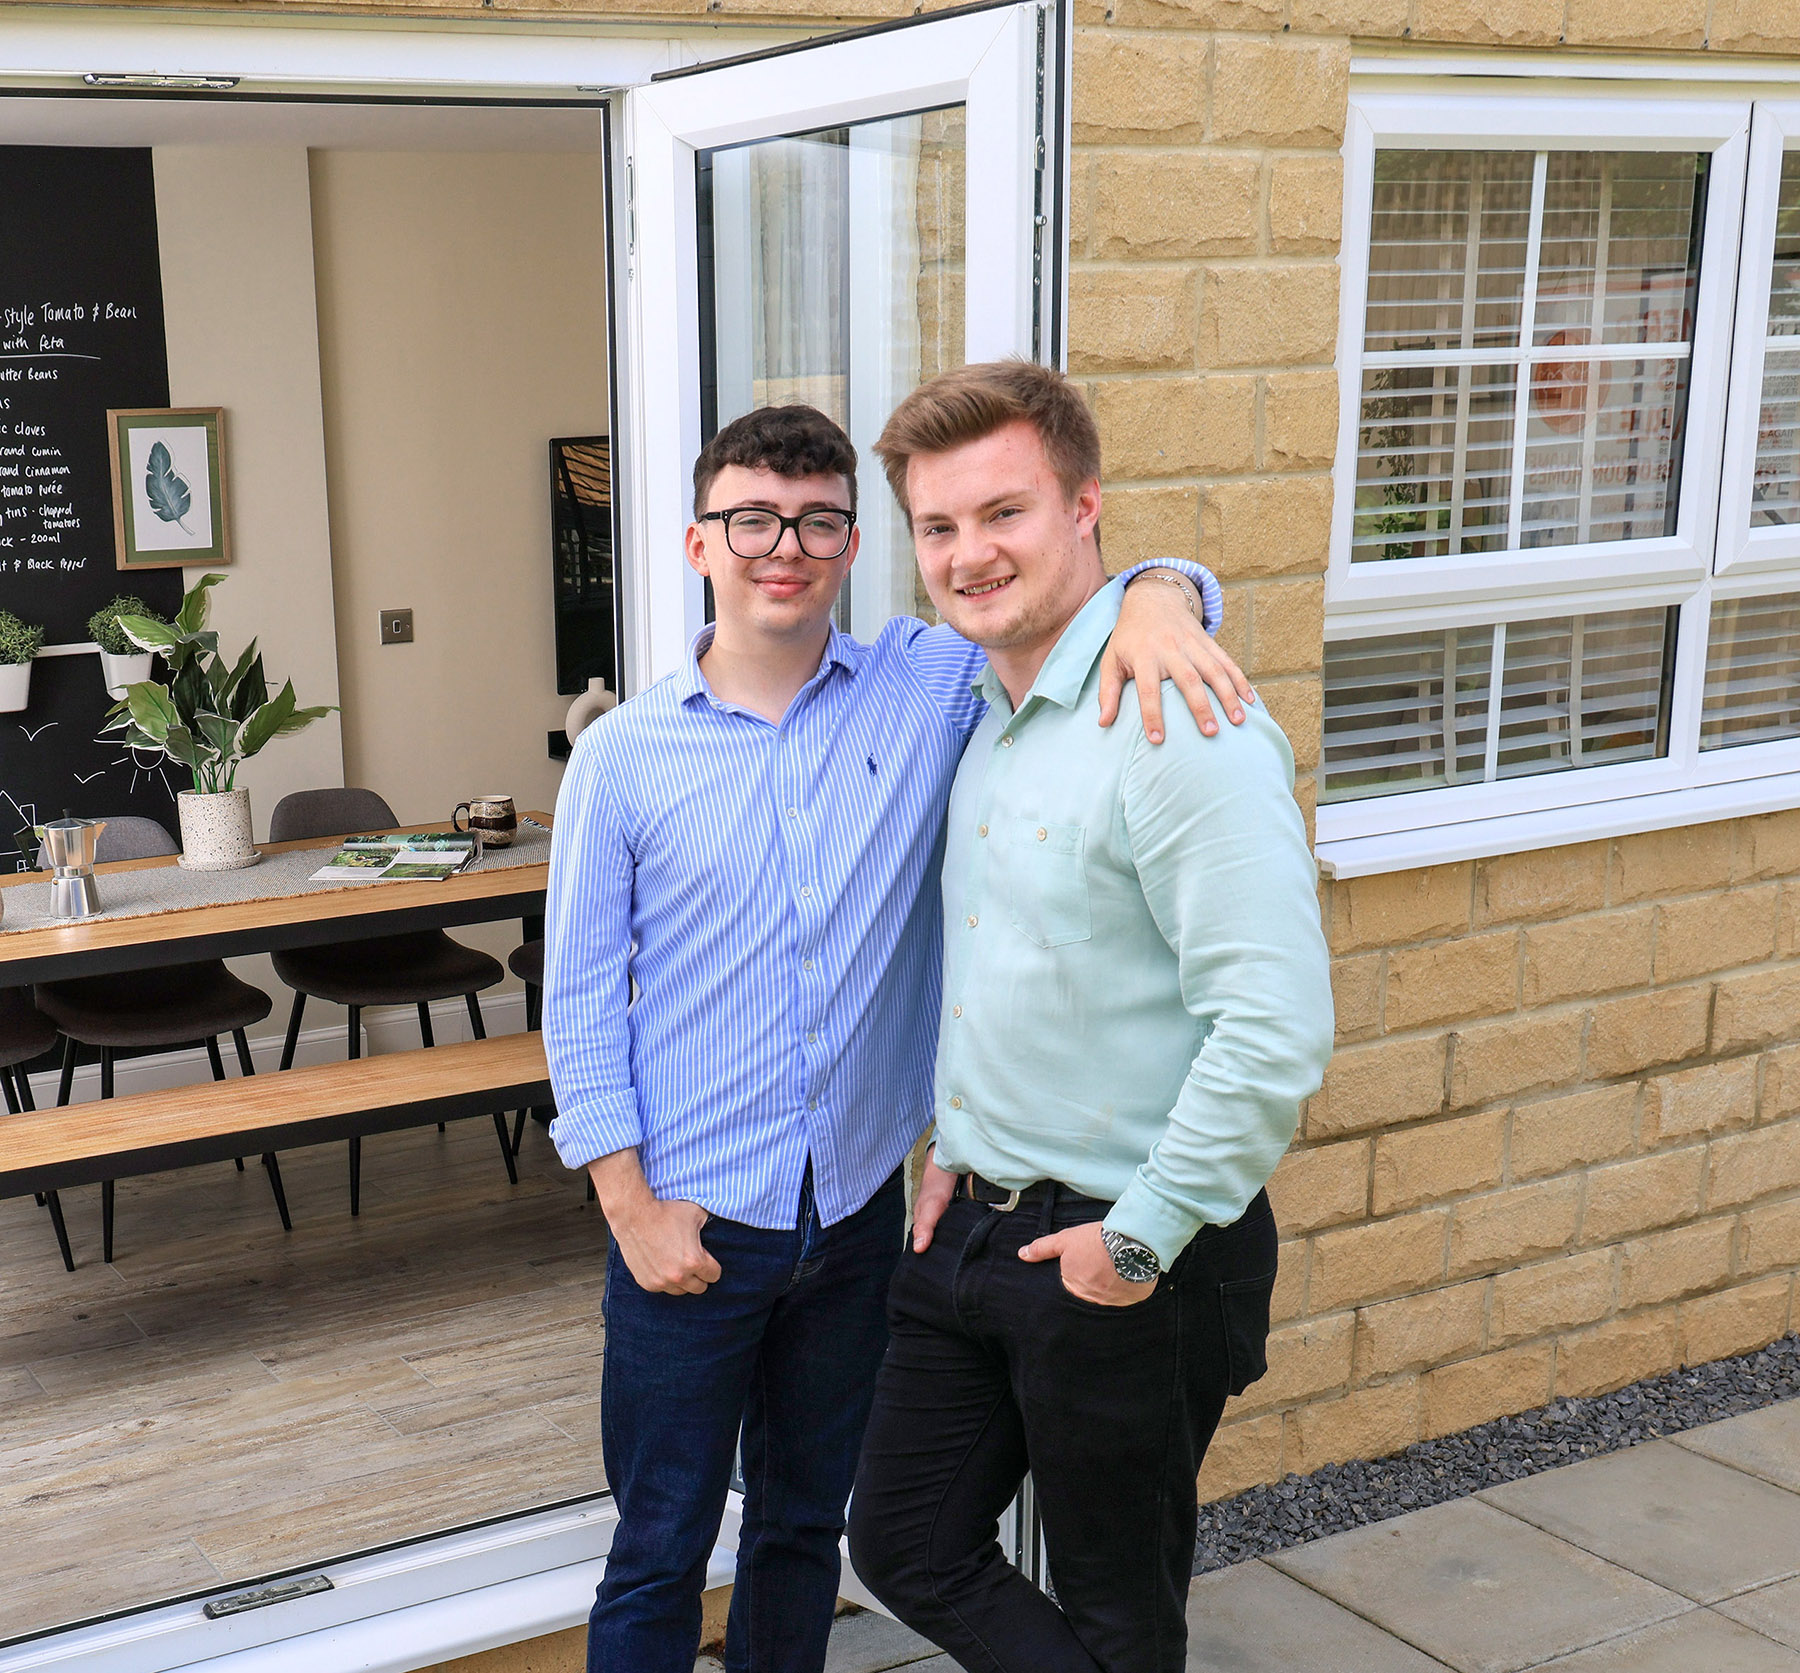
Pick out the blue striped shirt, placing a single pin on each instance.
(772, 892)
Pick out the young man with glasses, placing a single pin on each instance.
(1135, 1001)
(753, 844)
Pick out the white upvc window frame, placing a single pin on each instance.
(1413, 828)
(986, 61)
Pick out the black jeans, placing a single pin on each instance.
(994, 1369)
(785, 1345)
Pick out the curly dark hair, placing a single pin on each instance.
(790, 441)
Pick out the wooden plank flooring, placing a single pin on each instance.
(226, 1400)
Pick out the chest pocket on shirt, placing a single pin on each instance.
(1047, 869)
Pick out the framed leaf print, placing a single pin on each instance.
(168, 487)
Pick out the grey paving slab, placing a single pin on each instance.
(1254, 1619)
(1766, 1443)
(871, 1643)
(1773, 1610)
(1700, 1528)
(1477, 1589)
(1698, 1642)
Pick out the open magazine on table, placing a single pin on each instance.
(402, 856)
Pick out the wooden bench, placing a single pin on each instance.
(215, 1121)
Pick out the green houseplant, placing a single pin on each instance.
(122, 661)
(210, 715)
(19, 643)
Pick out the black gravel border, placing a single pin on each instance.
(1299, 1509)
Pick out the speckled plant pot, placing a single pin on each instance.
(121, 671)
(215, 830)
(15, 686)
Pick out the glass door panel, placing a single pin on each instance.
(836, 279)
(833, 233)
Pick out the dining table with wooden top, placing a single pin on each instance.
(147, 921)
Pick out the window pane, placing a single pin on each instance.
(1600, 452)
(1447, 249)
(1752, 672)
(1621, 223)
(1385, 727)
(1775, 492)
(1576, 691)
(1442, 469)
(1582, 691)
(836, 278)
(1433, 463)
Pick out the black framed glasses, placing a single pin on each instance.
(752, 532)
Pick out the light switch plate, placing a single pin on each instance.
(396, 627)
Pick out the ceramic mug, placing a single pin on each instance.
(491, 818)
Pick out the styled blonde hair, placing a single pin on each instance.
(962, 406)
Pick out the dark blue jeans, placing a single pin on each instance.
(786, 1346)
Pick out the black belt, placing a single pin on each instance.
(990, 1195)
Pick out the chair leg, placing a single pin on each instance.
(213, 1057)
(534, 1007)
(293, 1031)
(425, 1035)
(23, 1082)
(106, 1221)
(518, 1132)
(106, 1072)
(506, 1154)
(355, 1048)
(274, 1167)
(12, 1097)
(476, 1025)
(67, 1084)
(54, 1203)
(246, 1063)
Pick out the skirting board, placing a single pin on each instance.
(395, 1028)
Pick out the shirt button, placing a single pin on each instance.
(1006, 742)
(793, 813)
(1042, 833)
(981, 830)
(956, 1103)
(805, 889)
(812, 1039)
(956, 1010)
(973, 920)
(813, 1105)
(806, 964)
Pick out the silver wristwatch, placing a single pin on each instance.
(1135, 1262)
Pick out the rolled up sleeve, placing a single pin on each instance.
(1221, 853)
(587, 964)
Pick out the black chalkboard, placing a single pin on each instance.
(81, 330)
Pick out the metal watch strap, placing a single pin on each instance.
(1135, 1262)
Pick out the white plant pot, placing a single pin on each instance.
(215, 830)
(121, 671)
(15, 686)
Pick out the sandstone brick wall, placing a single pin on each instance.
(1558, 1149)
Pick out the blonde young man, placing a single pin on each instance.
(1135, 1002)
(752, 844)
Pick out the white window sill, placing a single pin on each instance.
(1517, 833)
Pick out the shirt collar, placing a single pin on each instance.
(1071, 659)
(841, 651)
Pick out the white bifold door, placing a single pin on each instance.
(833, 223)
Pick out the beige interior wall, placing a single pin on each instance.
(235, 232)
(462, 324)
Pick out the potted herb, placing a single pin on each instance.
(208, 717)
(18, 645)
(122, 661)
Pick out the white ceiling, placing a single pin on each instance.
(109, 120)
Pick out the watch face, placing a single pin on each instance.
(1133, 1262)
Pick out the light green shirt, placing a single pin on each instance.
(1136, 991)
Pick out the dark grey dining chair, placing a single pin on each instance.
(148, 1011)
(412, 969)
(25, 1033)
